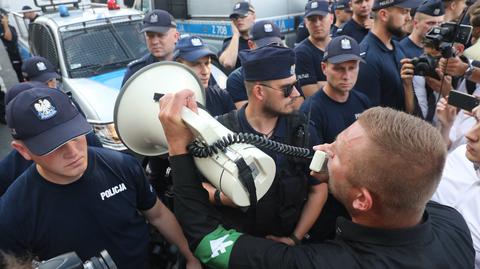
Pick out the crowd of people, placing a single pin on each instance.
(403, 164)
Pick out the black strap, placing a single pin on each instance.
(245, 176)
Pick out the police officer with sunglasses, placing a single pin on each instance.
(291, 206)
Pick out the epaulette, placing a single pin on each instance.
(135, 62)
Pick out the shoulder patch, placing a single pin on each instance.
(135, 62)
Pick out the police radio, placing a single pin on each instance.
(230, 161)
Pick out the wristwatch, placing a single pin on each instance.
(469, 72)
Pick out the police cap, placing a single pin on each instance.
(433, 8)
(265, 33)
(191, 48)
(379, 4)
(158, 21)
(341, 49)
(268, 63)
(315, 7)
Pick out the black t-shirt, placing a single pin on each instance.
(218, 101)
(352, 29)
(98, 211)
(379, 78)
(242, 45)
(12, 45)
(308, 65)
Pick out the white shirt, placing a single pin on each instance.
(460, 189)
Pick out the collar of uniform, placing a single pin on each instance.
(379, 42)
(150, 59)
(349, 231)
(279, 131)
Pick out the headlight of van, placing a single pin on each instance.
(108, 136)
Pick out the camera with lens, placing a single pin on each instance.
(425, 65)
(72, 261)
(446, 34)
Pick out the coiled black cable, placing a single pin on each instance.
(202, 150)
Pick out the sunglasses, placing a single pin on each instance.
(287, 90)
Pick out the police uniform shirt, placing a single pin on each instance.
(379, 78)
(136, 65)
(218, 101)
(440, 240)
(353, 30)
(242, 45)
(307, 66)
(236, 86)
(333, 30)
(410, 49)
(302, 33)
(331, 117)
(98, 211)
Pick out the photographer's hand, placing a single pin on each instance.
(453, 66)
(406, 73)
(435, 84)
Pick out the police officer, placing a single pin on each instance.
(379, 77)
(39, 69)
(383, 177)
(161, 35)
(194, 53)
(429, 14)
(318, 21)
(360, 23)
(243, 18)
(263, 33)
(77, 198)
(343, 13)
(333, 109)
(291, 206)
(9, 38)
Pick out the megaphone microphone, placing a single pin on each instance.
(229, 161)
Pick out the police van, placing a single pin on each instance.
(209, 19)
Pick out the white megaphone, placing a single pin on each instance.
(137, 124)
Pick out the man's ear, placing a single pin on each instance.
(251, 45)
(363, 200)
(18, 146)
(258, 92)
(323, 65)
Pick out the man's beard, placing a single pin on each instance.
(396, 31)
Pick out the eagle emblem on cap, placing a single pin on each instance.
(292, 70)
(45, 110)
(436, 11)
(313, 5)
(196, 42)
(237, 6)
(268, 28)
(345, 44)
(41, 66)
(153, 18)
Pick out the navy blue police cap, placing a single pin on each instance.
(379, 4)
(20, 87)
(26, 7)
(433, 8)
(342, 5)
(158, 21)
(191, 48)
(37, 68)
(44, 119)
(268, 63)
(264, 33)
(315, 7)
(241, 9)
(341, 49)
